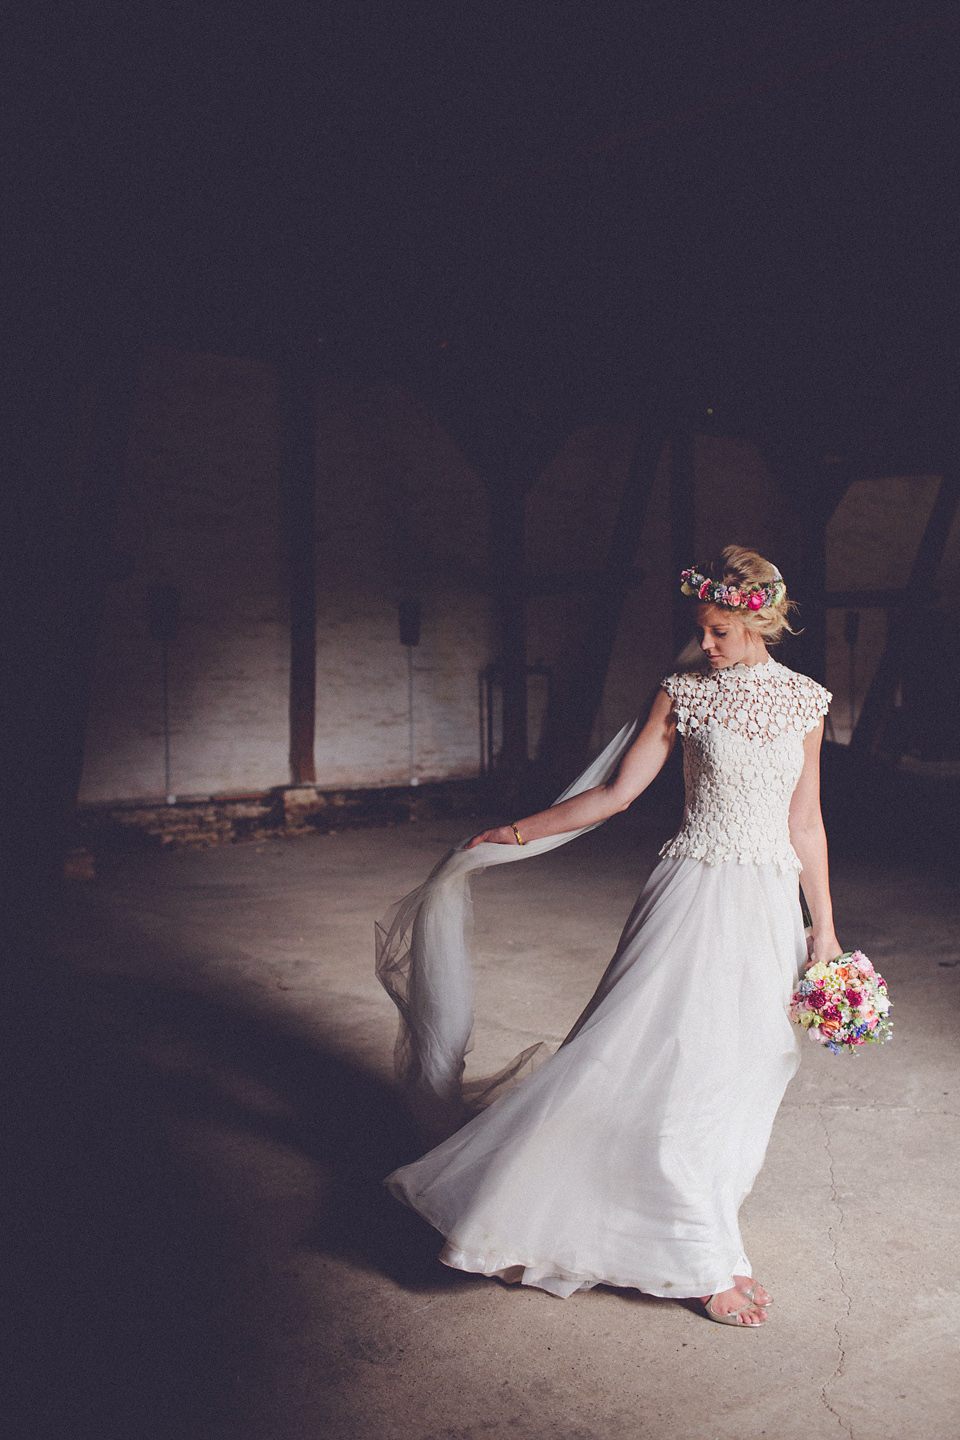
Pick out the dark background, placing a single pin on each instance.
(740, 214)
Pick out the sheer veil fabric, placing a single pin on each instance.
(424, 964)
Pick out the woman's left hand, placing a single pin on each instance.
(825, 948)
(502, 835)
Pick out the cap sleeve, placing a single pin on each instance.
(816, 704)
(677, 687)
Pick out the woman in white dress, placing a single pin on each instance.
(624, 1159)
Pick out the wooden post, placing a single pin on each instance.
(570, 720)
(818, 499)
(683, 536)
(811, 591)
(297, 377)
(508, 549)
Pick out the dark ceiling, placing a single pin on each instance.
(535, 214)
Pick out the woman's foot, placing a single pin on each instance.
(746, 1283)
(734, 1304)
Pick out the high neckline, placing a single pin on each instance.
(742, 668)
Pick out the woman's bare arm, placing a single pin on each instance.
(809, 839)
(641, 764)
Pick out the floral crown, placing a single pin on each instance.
(733, 597)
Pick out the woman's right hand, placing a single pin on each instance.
(502, 835)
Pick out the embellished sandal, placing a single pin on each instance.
(751, 1294)
(734, 1317)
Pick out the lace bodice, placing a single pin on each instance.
(742, 730)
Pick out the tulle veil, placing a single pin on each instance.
(424, 964)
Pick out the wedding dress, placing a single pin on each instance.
(624, 1159)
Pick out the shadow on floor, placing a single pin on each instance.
(128, 1261)
(128, 1309)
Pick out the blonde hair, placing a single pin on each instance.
(738, 566)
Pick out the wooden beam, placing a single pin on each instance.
(812, 588)
(816, 511)
(570, 719)
(926, 562)
(297, 378)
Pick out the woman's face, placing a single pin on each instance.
(725, 640)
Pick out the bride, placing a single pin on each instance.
(624, 1159)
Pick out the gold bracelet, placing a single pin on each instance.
(520, 839)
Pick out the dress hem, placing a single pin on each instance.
(557, 1281)
(564, 1282)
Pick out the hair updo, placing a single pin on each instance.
(737, 566)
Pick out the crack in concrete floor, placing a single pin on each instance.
(835, 1232)
(867, 1106)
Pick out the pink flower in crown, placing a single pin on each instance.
(755, 602)
(704, 590)
(734, 596)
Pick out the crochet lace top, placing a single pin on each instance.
(742, 730)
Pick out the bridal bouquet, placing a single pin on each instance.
(843, 1003)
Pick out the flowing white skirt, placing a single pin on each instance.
(624, 1159)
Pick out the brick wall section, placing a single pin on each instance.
(401, 515)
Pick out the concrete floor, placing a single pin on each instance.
(215, 1257)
